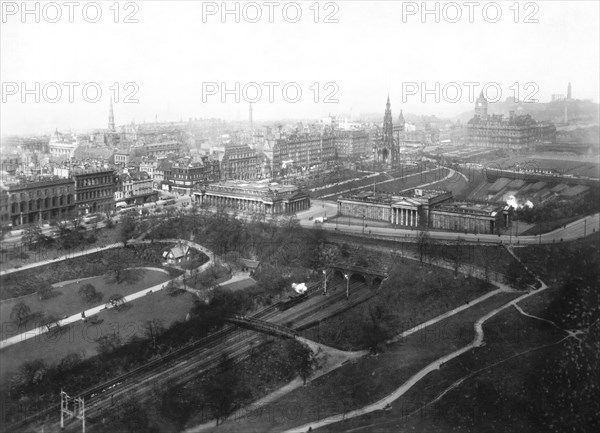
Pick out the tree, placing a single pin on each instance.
(116, 301)
(32, 235)
(423, 240)
(45, 292)
(51, 322)
(33, 372)
(109, 220)
(176, 404)
(108, 343)
(89, 294)
(172, 288)
(153, 329)
(374, 334)
(226, 391)
(303, 359)
(457, 256)
(20, 312)
(127, 228)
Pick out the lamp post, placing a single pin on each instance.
(347, 284)
(325, 282)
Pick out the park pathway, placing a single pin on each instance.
(329, 359)
(95, 310)
(435, 365)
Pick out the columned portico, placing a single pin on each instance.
(260, 196)
(405, 216)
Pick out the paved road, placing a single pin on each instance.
(575, 230)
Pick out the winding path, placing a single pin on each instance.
(95, 310)
(390, 398)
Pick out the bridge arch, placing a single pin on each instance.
(338, 275)
(356, 277)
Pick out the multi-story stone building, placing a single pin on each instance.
(135, 188)
(4, 207)
(425, 209)
(352, 143)
(121, 157)
(62, 146)
(411, 209)
(162, 148)
(94, 189)
(302, 152)
(516, 133)
(261, 196)
(240, 162)
(183, 175)
(37, 201)
(469, 217)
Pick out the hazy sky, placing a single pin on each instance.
(371, 51)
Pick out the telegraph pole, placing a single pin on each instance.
(77, 412)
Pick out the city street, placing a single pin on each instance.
(575, 230)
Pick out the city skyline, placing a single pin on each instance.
(172, 68)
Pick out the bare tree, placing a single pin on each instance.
(152, 329)
(423, 242)
(20, 312)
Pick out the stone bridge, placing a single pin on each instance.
(371, 277)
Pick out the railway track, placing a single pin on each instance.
(187, 362)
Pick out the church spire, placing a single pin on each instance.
(111, 117)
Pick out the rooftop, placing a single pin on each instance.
(471, 208)
(262, 186)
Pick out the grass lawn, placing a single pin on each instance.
(240, 285)
(412, 181)
(494, 256)
(549, 226)
(457, 184)
(369, 378)
(80, 337)
(67, 301)
(334, 189)
(29, 281)
(10, 258)
(491, 397)
(418, 293)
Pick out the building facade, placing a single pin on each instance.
(254, 197)
(469, 217)
(183, 175)
(240, 162)
(162, 148)
(121, 157)
(301, 152)
(351, 143)
(43, 200)
(422, 208)
(411, 209)
(515, 133)
(94, 190)
(135, 188)
(62, 146)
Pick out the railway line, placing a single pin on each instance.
(187, 362)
